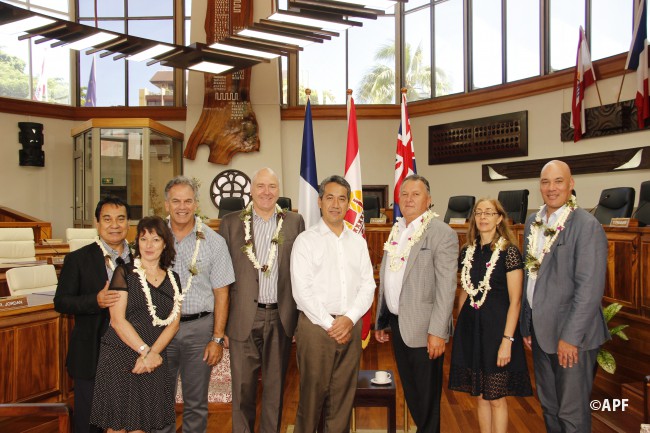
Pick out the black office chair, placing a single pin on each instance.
(615, 203)
(284, 203)
(460, 206)
(230, 204)
(515, 203)
(370, 207)
(643, 210)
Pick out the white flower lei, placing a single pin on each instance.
(248, 247)
(178, 297)
(106, 254)
(398, 259)
(484, 285)
(192, 267)
(533, 262)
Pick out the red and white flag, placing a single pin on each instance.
(354, 216)
(584, 77)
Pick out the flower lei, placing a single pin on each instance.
(396, 260)
(249, 247)
(105, 253)
(484, 285)
(533, 262)
(178, 297)
(192, 267)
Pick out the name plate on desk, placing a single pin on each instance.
(380, 220)
(622, 222)
(11, 302)
(458, 221)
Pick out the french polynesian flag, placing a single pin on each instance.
(584, 77)
(354, 216)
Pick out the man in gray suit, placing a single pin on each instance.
(263, 314)
(561, 317)
(416, 298)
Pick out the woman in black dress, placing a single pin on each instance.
(487, 358)
(133, 391)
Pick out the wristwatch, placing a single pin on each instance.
(218, 340)
(509, 338)
(142, 348)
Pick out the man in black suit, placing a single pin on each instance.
(83, 292)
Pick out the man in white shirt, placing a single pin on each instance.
(333, 286)
(416, 298)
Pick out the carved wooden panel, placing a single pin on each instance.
(376, 236)
(622, 269)
(610, 119)
(637, 158)
(644, 273)
(39, 372)
(7, 364)
(501, 136)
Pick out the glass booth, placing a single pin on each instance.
(129, 158)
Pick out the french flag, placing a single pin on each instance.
(308, 186)
(637, 59)
(404, 156)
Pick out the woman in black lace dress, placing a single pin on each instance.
(133, 391)
(487, 358)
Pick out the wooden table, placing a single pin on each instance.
(370, 395)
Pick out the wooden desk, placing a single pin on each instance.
(33, 346)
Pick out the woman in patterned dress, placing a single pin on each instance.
(133, 391)
(488, 359)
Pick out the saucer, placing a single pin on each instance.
(376, 382)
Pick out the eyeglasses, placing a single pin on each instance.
(487, 214)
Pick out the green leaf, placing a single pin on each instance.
(618, 330)
(611, 310)
(606, 361)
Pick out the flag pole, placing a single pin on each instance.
(598, 91)
(618, 98)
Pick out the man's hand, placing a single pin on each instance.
(567, 354)
(435, 346)
(528, 342)
(381, 336)
(341, 329)
(213, 353)
(226, 342)
(107, 298)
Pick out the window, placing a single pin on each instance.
(503, 39)
(35, 71)
(126, 83)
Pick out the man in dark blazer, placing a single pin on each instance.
(83, 292)
(561, 317)
(263, 315)
(416, 297)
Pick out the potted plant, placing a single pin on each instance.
(605, 358)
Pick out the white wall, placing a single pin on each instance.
(42, 192)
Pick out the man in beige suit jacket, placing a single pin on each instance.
(262, 314)
(416, 298)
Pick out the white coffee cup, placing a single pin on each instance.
(382, 376)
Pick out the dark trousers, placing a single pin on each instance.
(421, 380)
(83, 399)
(564, 393)
(328, 377)
(267, 348)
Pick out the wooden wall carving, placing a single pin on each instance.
(637, 158)
(610, 119)
(505, 135)
(227, 124)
